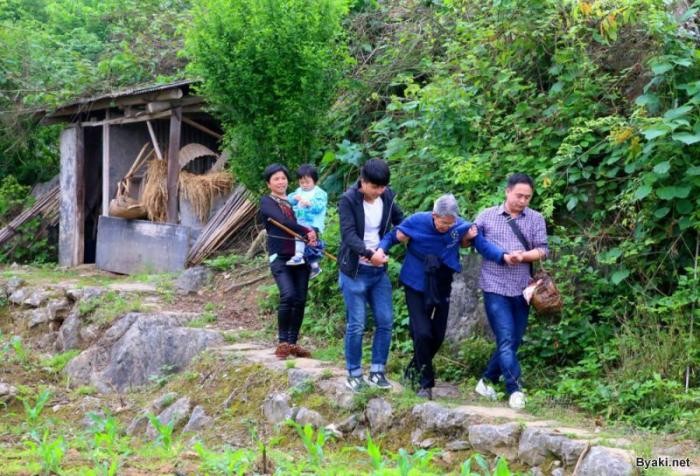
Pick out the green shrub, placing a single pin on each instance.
(270, 69)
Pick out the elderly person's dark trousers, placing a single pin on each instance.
(293, 284)
(428, 332)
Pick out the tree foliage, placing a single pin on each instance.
(269, 70)
(55, 50)
(599, 101)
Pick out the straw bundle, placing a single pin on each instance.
(155, 190)
(201, 190)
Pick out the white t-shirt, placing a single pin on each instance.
(373, 220)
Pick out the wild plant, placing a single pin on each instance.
(105, 431)
(375, 453)
(109, 467)
(466, 468)
(107, 450)
(165, 431)
(50, 452)
(407, 462)
(229, 462)
(21, 353)
(33, 412)
(502, 468)
(314, 446)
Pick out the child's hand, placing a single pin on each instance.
(304, 203)
(297, 198)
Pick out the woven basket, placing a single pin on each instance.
(123, 205)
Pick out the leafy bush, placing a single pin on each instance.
(600, 106)
(270, 71)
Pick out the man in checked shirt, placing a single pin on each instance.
(503, 286)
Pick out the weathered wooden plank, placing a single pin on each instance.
(72, 201)
(174, 163)
(127, 120)
(154, 140)
(202, 128)
(105, 167)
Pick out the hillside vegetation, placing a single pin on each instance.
(598, 100)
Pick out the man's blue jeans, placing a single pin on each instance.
(508, 319)
(371, 286)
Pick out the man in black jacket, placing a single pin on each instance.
(366, 211)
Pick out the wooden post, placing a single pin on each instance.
(105, 167)
(174, 163)
(72, 202)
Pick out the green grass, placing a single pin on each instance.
(244, 335)
(108, 306)
(203, 320)
(57, 362)
(330, 352)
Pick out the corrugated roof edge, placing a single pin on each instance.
(132, 91)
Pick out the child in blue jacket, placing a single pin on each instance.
(309, 202)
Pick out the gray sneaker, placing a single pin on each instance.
(356, 384)
(378, 379)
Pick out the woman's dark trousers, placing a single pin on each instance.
(427, 327)
(293, 284)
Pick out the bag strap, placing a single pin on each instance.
(519, 234)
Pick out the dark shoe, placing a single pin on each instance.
(425, 393)
(356, 384)
(298, 351)
(378, 379)
(283, 350)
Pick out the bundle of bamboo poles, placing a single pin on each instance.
(234, 215)
(46, 205)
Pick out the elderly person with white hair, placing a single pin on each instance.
(432, 257)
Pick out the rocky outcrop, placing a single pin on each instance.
(608, 461)
(537, 445)
(199, 420)
(467, 317)
(304, 416)
(138, 347)
(276, 408)
(7, 392)
(193, 279)
(432, 416)
(175, 415)
(379, 414)
(499, 440)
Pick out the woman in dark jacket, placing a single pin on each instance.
(292, 281)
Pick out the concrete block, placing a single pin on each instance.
(136, 246)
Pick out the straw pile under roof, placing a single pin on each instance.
(201, 190)
(155, 190)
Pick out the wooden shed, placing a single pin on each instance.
(103, 135)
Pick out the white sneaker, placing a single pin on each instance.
(295, 260)
(486, 390)
(517, 400)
